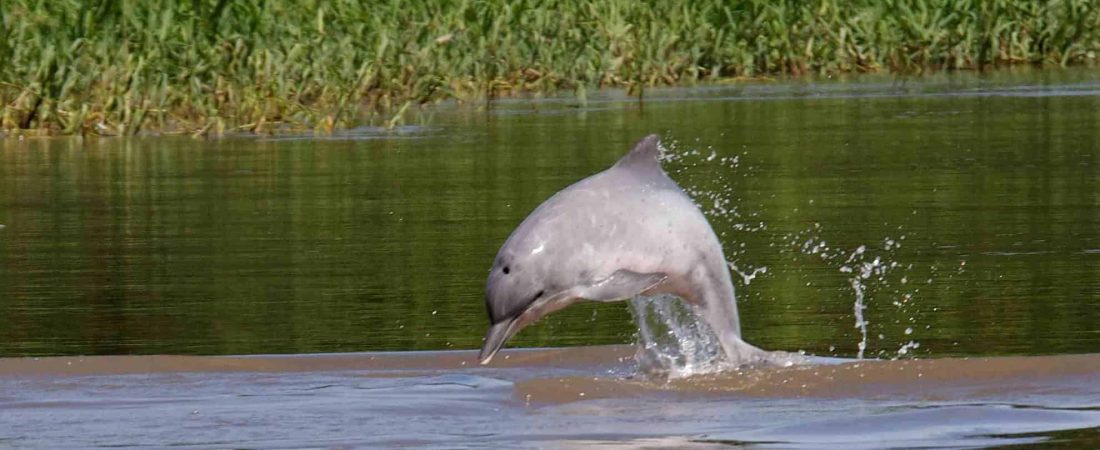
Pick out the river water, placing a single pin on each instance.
(956, 215)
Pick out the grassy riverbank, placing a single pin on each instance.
(213, 66)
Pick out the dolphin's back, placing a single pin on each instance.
(634, 202)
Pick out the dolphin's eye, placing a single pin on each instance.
(506, 270)
(537, 296)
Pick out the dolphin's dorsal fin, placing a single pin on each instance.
(646, 155)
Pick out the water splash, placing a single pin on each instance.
(672, 342)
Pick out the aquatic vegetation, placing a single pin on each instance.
(213, 66)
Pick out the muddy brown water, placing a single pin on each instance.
(543, 398)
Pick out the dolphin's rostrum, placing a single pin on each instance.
(629, 230)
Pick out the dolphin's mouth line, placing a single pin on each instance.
(500, 332)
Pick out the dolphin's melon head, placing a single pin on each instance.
(515, 284)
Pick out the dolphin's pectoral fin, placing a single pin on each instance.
(621, 285)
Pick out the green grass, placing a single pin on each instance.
(214, 66)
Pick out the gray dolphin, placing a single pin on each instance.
(627, 231)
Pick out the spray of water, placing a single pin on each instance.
(865, 271)
(674, 343)
(871, 273)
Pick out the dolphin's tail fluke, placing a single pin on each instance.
(741, 353)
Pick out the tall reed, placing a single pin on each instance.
(210, 66)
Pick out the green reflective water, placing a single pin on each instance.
(382, 241)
